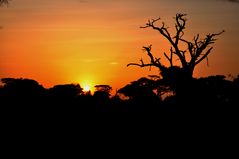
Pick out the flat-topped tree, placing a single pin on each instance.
(196, 51)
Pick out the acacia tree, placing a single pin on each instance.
(103, 90)
(196, 51)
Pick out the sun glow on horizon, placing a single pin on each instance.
(87, 86)
(92, 43)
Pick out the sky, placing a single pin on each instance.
(91, 41)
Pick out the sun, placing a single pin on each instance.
(86, 88)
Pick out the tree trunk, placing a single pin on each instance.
(188, 72)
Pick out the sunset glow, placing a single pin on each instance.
(87, 86)
(91, 42)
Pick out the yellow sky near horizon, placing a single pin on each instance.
(92, 41)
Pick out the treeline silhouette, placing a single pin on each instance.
(152, 95)
(175, 91)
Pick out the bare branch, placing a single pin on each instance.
(163, 30)
(140, 65)
(197, 47)
(204, 56)
(153, 61)
(180, 26)
(197, 50)
(218, 33)
(150, 23)
(196, 40)
(170, 59)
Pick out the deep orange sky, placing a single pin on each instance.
(92, 41)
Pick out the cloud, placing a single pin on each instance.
(114, 63)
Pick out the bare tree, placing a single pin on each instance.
(196, 51)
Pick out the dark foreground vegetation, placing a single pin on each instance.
(146, 110)
(210, 95)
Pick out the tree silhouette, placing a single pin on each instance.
(102, 98)
(66, 91)
(4, 2)
(103, 88)
(197, 50)
(21, 88)
(141, 93)
(103, 91)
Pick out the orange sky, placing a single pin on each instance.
(92, 41)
